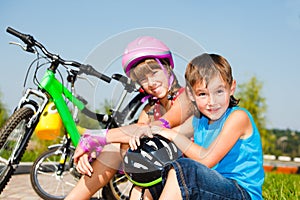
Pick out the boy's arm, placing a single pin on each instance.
(237, 126)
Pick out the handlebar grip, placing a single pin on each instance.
(14, 32)
(127, 82)
(102, 76)
(24, 37)
(89, 70)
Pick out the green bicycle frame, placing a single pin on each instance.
(57, 92)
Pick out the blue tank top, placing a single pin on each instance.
(244, 162)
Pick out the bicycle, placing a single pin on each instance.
(57, 161)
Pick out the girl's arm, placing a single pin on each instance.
(180, 111)
(184, 131)
(237, 126)
(91, 144)
(125, 133)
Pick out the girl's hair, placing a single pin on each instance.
(147, 66)
(205, 67)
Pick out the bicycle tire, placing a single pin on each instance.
(118, 188)
(44, 179)
(14, 138)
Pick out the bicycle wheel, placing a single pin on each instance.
(14, 138)
(118, 188)
(45, 179)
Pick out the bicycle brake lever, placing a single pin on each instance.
(87, 79)
(24, 47)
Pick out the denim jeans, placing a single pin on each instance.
(197, 181)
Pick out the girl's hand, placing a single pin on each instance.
(92, 154)
(92, 143)
(134, 142)
(78, 153)
(81, 159)
(83, 165)
(142, 131)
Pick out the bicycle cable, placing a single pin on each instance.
(31, 64)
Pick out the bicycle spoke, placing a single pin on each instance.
(122, 178)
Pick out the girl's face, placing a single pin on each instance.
(213, 99)
(155, 83)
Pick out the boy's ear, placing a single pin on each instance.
(233, 87)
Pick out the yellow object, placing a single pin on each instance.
(80, 129)
(50, 123)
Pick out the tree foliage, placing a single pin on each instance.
(86, 122)
(3, 113)
(251, 98)
(287, 142)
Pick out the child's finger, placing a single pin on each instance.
(133, 143)
(78, 153)
(84, 166)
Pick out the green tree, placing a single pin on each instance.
(107, 106)
(250, 95)
(86, 122)
(3, 113)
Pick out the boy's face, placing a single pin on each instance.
(213, 99)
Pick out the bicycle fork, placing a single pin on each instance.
(63, 158)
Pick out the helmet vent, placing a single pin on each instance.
(126, 159)
(151, 143)
(146, 155)
(140, 166)
(157, 164)
(174, 147)
(168, 149)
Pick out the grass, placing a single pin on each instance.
(281, 186)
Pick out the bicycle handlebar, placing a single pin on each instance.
(30, 42)
(24, 37)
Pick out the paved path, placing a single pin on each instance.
(19, 188)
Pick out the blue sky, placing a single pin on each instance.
(258, 38)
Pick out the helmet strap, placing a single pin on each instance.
(142, 193)
(171, 76)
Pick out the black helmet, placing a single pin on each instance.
(143, 166)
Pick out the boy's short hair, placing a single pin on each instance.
(206, 66)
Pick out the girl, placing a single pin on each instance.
(149, 62)
(225, 161)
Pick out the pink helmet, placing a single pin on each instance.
(142, 48)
